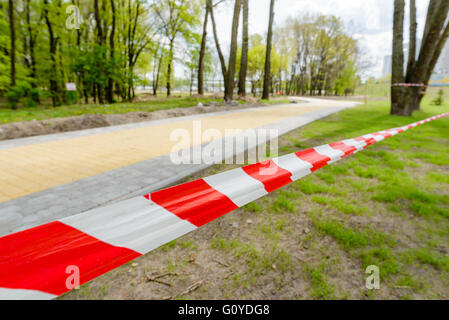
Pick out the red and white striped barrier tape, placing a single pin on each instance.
(409, 85)
(34, 263)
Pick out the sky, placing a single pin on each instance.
(369, 21)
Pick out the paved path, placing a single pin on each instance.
(50, 177)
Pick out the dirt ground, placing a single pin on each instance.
(58, 125)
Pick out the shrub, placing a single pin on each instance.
(23, 92)
(439, 99)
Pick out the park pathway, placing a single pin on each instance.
(50, 177)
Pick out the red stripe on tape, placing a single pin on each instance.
(270, 174)
(398, 130)
(348, 150)
(195, 201)
(55, 246)
(368, 141)
(316, 159)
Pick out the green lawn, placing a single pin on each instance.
(386, 206)
(47, 112)
(44, 112)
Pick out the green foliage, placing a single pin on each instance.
(92, 56)
(439, 99)
(4, 58)
(23, 92)
(322, 56)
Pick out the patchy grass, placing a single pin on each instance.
(47, 112)
(386, 206)
(321, 289)
(432, 258)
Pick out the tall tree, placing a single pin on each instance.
(138, 38)
(230, 77)
(224, 70)
(245, 45)
(110, 90)
(397, 75)
(177, 18)
(203, 51)
(413, 30)
(30, 42)
(53, 46)
(158, 61)
(267, 75)
(405, 100)
(100, 40)
(13, 42)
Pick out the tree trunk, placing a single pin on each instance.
(217, 43)
(31, 44)
(405, 100)
(130, 83)
(13, 42)
(53, 41)
(431, 41)
(432, 9)
(203, 53)
(436, 56)
(244, 60)
(397, 105)
(267, 74)
(229, 82)
(110, 90)
(169, 69)
(412, 45)
(192, 76)
(156, 81)
(100, 42)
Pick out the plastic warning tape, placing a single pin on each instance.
(36, 263)
(409, 85)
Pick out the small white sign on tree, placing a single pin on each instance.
(70, 86)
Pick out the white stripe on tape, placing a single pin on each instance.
(22, 294)
(354, 143)
(328, 151)
(298, 167)
(137, 224)
(376, 137)
(237, 186)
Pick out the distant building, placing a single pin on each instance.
(388, 66)
(441, 70)
(443, 64)
(439, 80)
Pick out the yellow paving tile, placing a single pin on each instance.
(33, 168)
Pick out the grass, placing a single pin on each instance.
(258, 262)
(350, 238)
(432, 258)
(47, 112)
(321, 289)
